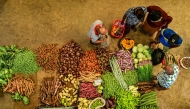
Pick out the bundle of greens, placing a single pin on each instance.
(18, 97)
(117, 72)
(148, 99)
(7, 56)
(126, 100)
(25, 62)
(144, 70)
(112, 86)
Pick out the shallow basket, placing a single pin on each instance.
(121, 46)
(117, 23)
(182, 63)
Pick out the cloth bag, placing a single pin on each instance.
(157, 56)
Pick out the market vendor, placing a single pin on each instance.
(167, 77)
(156, 19)
(133, 17)
(98, 34)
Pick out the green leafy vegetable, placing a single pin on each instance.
(25, 62)
(25, 100)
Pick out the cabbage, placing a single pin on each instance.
(136, 66)
(146, 52)
(146, 47)
(133, 55)
(140, 49)
(139, 45)
(149, 57)
(140, 60)
(135, 61)
(140, 55)
(134, 49)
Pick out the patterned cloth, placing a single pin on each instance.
(167, 80)
(132, 19)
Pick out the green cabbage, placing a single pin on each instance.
(146, 47)
(140, 49)
(139, 45)
(135, 61)
(133, 55)
(140, 55)
(134, 49)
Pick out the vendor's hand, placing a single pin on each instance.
(105, 39)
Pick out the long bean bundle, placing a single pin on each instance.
(118, 73)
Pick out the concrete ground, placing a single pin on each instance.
(29, 23)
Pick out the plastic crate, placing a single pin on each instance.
(117, 27)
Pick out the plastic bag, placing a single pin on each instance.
(157, 56)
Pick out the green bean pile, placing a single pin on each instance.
(25, 62)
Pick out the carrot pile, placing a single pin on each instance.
(86, 76)
(49, 91)
(89, 62)
(47, 56)
(24, 86)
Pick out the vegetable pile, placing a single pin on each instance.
(69, 58)
(118, 73)
(86, 76)
(145, 87)
(127, 43)
(148, 99)
(87, 90)
(126, 100)
(124, 60)
(83, 103)
(24, 86)
(145, 70)
(69, 92)
(7, 56)
(140, 53)
(47, 56)
(97, 103)
(49, 92)
(89, 62)
(110, 103)
(103, 56)
(112, 86)
(25, 62)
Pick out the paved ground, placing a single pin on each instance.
(28, 23)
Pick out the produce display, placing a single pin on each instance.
(110, 103)
(93, 79)
(49, 92)
(97, 103)
(69, 92)
(112, 86)
(126, 100)
(47, 56)
(185, 62)
(83, 103)
(103, 56)
(18, 97)
(69, 58)
(140, 53)
(144, 70)
(124, 60)
(7, 56)
(89, 62)
(25, 62)
(148, 99)
(118, 73)
(86, 76)
(127, 43)
(87, 90)
(24, 86)
(145, 87)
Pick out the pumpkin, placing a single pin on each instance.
(127, 43)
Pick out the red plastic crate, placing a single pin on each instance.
(117, 25)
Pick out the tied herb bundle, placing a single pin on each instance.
(145, 70)
(25, 62)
